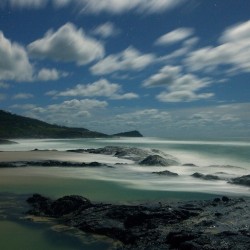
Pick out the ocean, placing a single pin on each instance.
(126, 183)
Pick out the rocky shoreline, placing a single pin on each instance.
(219, 224)
(140, 157)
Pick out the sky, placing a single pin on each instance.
(169, 68)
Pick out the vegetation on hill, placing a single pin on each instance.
(133, 133)
(16, 126)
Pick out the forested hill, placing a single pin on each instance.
(16, 126)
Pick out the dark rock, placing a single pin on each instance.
(157, 160)
(69, 204)
(205, 177)
(189, 165)
(132, 153)
(243, 180)
(165, 173)
(217, 200)
(3, 141)
(225, 199)
(179, 225)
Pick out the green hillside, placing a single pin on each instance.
(16, 126)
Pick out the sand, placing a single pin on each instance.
(9, 156)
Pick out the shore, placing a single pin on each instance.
(161, 199)
(211, 224)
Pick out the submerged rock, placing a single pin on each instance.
(157, 160)
(243, 180)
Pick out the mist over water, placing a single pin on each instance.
(224, 159)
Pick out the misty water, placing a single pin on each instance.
(125, 183)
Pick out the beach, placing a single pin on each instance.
(120, 179)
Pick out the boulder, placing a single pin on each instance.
(243, 180)
(207, 177)
(157, 160)
(165, 173)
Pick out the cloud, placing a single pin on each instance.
(174, 36)
(22, 96)
(180, 87)
(67, 44)
(72, 112)
(50, 75)
(101, 88)
(14, 61)
(182, 96)
(233, 52)
(97, 6)
(117, 7)
(106, 30)
(4, 85)
(128, 60)
(26, 3)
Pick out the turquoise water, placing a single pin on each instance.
(124, 184)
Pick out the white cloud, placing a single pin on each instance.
(26, 3)
(71, 113)
(233, 52)
(127, 60)
(180, 87)
(126, 96)
(106, 30)
(99, 88)
(67, 44)
(14, 61)
(144, 116)
(50, 74)
(98, 6)
(117, 7)
(182, 96)
(4, 85)
(22, 96)
(175, 36)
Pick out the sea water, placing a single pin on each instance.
(124, 183)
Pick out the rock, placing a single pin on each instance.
(225, 199)
(179, 225)
(3, 141)
(205, 177)
(189, 165)
(157, 160)
(165, 173)
(69, 204)
(132, 153)
(243, 180)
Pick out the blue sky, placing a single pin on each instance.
(171, 68)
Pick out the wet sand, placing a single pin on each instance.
(9, 156)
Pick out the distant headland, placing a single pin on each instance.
(16, 126)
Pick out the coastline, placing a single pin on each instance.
(117, 179)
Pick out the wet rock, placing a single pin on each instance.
(225, 199)
(243, 180)
(157, 160)
(205, 177)
(166, 173)
(177, 225)
(69, 204)
(189, 165)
